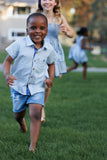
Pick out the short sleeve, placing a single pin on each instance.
(13, 49)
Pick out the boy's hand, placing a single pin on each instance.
(49, 82)
(9, 80)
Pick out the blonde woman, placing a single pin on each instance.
(56, 22)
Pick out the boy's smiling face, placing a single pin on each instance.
(37, 29)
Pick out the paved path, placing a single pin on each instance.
(91, 69)
(79, 69)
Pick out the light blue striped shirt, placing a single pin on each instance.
(30, 71)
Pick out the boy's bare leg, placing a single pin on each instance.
(20, 119)
(35, 116)
(47, 93)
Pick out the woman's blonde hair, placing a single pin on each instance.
(56, 10)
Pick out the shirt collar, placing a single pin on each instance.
(29, 42)
(45, 45)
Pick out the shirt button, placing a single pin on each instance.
(33, 68)
(34, 60)
(29, 83)
(36, 52)
(31, 76)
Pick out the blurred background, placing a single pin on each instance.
(92, 14)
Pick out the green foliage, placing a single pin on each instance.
(99, 20)
(75, 127)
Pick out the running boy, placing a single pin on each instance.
(32, 56)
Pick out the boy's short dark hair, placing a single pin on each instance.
(36, 15)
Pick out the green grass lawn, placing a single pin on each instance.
(3, 54)
(76, 122)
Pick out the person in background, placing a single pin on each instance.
(77, 52)
(56, 22)
(31, 56)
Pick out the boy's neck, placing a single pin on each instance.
(39, 45)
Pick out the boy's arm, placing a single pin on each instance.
(51, 70)
(6, 70)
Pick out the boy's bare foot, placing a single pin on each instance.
(23, 127)
(31, 149)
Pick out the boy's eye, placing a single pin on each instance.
(42, 28)
(33, 28)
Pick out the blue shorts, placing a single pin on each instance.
(20, 102)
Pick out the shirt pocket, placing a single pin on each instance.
(40, 65)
